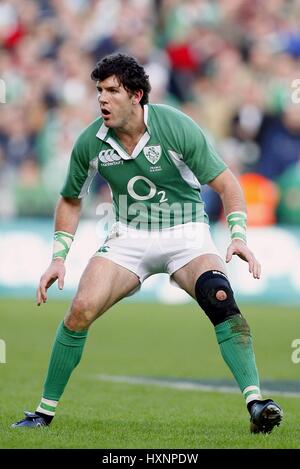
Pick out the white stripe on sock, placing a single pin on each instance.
(47, 402)
(253, 397)
(44, 411)
(250, 388)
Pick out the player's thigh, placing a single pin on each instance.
(187, 276)
(102, 284)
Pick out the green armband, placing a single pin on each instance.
(237, 222)
(62, 243)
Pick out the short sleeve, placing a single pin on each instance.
(199, 154)
(79, 172)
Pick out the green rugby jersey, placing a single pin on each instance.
(159, 184)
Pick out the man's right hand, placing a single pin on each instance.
(56, 270)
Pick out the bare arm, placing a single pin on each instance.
(66, 218)
(230, 191)
(67, 214)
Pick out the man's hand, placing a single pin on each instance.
(56, 270)
(240, 248)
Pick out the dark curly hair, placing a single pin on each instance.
(127, 70)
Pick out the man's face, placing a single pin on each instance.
(115, 102)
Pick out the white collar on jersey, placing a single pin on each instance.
(102, 133)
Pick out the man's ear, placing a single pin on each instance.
(137, 96)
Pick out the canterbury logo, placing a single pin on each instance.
(108, 156)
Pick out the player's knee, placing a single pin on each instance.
(215, 296)
(80, 315)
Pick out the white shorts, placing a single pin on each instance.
(163, 251)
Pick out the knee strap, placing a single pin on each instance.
(206, 288)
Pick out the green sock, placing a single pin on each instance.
(235, 341)
(66, 354)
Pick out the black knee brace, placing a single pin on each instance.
(206, 288)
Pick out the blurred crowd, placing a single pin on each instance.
(232, 65)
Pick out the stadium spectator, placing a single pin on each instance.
(288, 210)
(279, 142)
(262, 197)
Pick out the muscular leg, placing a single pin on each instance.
(102, 284)
(200, 279)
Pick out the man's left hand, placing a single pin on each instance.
(240, 248)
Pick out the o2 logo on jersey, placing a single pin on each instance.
(152, 190)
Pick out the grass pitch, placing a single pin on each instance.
(150, 341)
